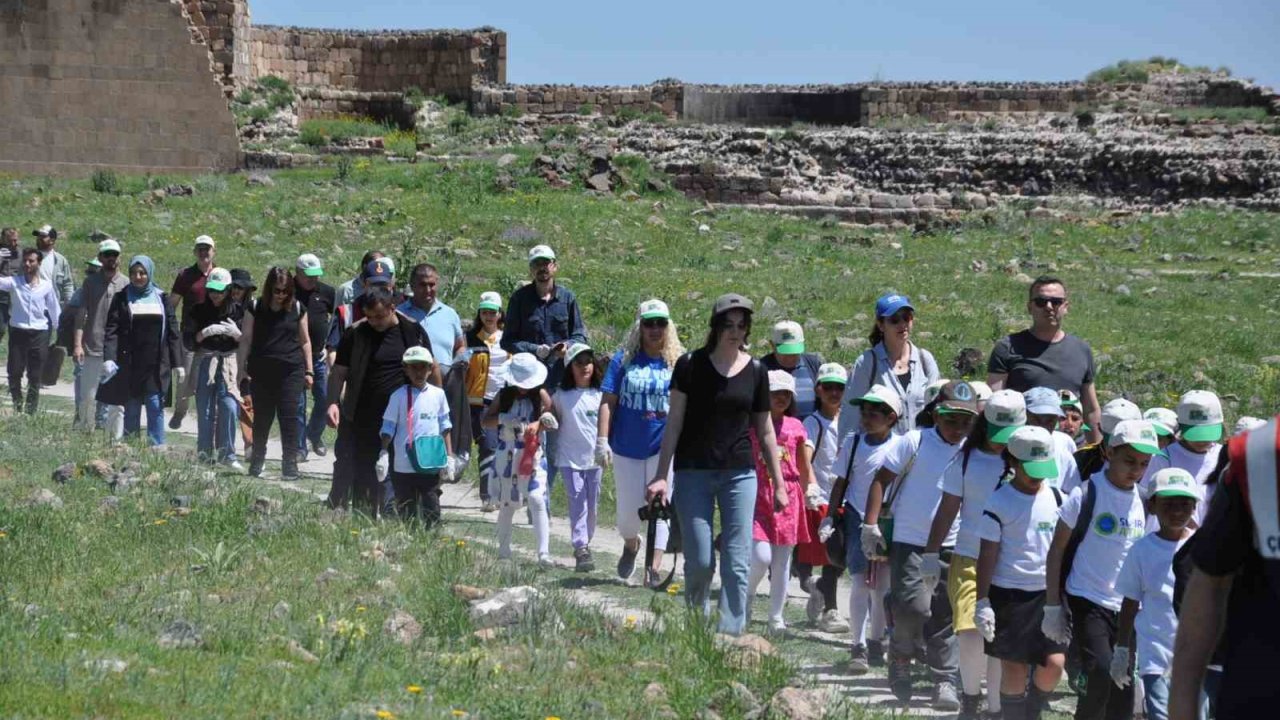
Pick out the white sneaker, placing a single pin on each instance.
(777, 625)
(832, 622)
(234, 466)
(544, 561)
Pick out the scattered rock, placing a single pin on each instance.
(978, 266)
(849, 343)
(281, 610)
(704, 228)
(470, 593)
(1022, 279)
(179, 634)
(791, 703)
(599, 183)
(109, 504)
(656, 694)
(1122, 290)
(107, 665)
(297, 652)
(736, 699)
(507, 607)
(260, 180)
(969, 361)
(64, 473)
(655, 185)
(1270, 360)
(507, 159)
(329, 575)
(485, 634)
(43, 497)
(746, 651)
(402, 627)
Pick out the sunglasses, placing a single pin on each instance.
(829, 386)
(900, 318)
(110, 254)
(654, 323)
(279, 291)
(1041, 302)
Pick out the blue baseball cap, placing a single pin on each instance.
(379, 272)
(1043, 401)
(890, 303)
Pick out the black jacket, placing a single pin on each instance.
(118, 344)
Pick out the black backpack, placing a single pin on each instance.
(1077, 534)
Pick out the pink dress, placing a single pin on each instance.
(787, 527)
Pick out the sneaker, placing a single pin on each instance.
(582, 560)
(900, 679)
(652, 578)
(777, 625)
(813, 608)
(290, 477)
(488, 507)
(970, 707)
(945, 698)
(832, 622)
(858, 660)
(256, 471)
(627, 563)
(875, 653)
(234, 466)
(175, 422)
(319, 448)
(545, 561)
(302, 454)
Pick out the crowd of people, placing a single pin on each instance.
(1001, 532)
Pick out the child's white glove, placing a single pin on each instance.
(826, 529)
(985, 618)
(604, 453)
(542, 351)
(109, 370)
(1120, 667)
(549, 421)
(230, 329)
(1054, 624)
(214, 330)
(930, 570)
(813, 498)
(446, 472)
(380, 468)
(179, 376)
(872, 539)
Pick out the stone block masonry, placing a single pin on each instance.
(495, 99)
(125, 85)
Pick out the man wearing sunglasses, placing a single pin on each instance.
(1044, 355)
(90, 328)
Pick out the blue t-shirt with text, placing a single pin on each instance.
(643, 388)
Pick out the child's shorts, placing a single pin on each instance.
(1019, 614)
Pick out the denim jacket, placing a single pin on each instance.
(531, 322)
(874, 368)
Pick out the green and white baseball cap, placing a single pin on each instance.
(575, 350)
(541, 252)
(1137, 434)
(653, 308)
(417, 354)
(490, 301)
(788, 338)
(832, 373)
(1200, 416)
(219, 280)
(309, 265)
(110, 245)
(982, 390)
(1117, 411)
(1033, 446)
(1164, 420)
(884, 396)
(1005, 412)
(1175, 482)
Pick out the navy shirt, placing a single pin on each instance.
(532, 321)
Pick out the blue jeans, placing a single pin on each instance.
(155, 417)
(1156, 696)
(217, 413)
(696, 495)
(313, 429)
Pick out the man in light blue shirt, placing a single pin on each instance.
(441, 322)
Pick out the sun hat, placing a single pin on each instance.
(653, 308)
(379, 272)
(957, 396)
(1070, 400)
(1175, 482)
(882, 395)
(204, 240)
(982, 389)
(731, 301)
(1247, 423)
(575, 350)
(1033, 446)
(1005, 412)
(525, 371)
(780, 381)
(1200, 416)
(541, 252)
(788, 338)
(241, 278)
(417, 354)
(832, 373)
(1043, 401)
(890, 303)
(108, 246)
(490, 301)
(1137, 434)
(1164, 420)
(219, 279)
(309, 265)
(1117, 411)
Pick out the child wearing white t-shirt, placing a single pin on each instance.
(417, 410)
(822, 443)
(1197, 449)
(577, 408)
(1146, 581)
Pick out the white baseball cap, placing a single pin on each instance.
(541, 252)
(788, 338)
(1117, 411)
(1247, 423)
(109, 245)
(44, 230)
(1033, 446)
(1164, 420)
(832, 373)
(781, 380)
(525, 371)
(490, 301)
(981, 390)
(204, 240)
(1175, 482)
(884, 396)
(219, 280)
(1200, 416)
(309, 265)
(417, 354)
(931, 392)
(1137, 434)
(653, 308)
(1005, 412)
(575, 350)
(1043, 401)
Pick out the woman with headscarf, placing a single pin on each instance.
(141, 343)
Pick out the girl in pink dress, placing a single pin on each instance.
(778, 528)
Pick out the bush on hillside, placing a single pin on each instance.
(1140, 71)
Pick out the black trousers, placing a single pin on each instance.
(276, 387)
(826, 583)
(355, 453)
(1093, 631)
(27, 352)
(417, 496)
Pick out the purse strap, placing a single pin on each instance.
(408, 407)
(896, 488)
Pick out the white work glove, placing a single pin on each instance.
(1054, 624)
(826, 529)
(872, 539)
(930, 570)
(215, 330)
(109, 370)
(549, 421)
(179, 376)
(542, 351)
(230, 329)
(813, 498)
(604, 453)
(985, 618)
(1120, 667)
(380, 468)
(446, 472)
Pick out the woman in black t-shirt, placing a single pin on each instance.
(718, 393)
(275, 354)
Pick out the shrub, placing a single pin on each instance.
(401, 143)
(260, 113)
(458, 121)
(415, 97)
(278, 100)
(244, 97)
(320, 131)
(344, 166)
(105, 181)
(1139, 71)
(274, 83)
(587, 109)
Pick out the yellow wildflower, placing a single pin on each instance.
(385, 714)
(3, 534)
(161, 521)
(415, 689)
(355, 532)
(361, 608)
(673, 588)
(459, 713)
(462, 543)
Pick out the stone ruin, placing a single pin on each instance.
(144, 85)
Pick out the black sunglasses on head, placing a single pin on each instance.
(1046, 301)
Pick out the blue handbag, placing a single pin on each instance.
(427, 454)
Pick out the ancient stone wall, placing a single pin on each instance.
(833, 105)
(224, 25)
(122, 84)
(488, 99)
(1202, 90)
(444, 62)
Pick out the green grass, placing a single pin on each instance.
(1227, 115)
(1139, 71)
(322, 131)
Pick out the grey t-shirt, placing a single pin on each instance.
(1031, 362)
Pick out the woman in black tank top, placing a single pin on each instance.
(275, 355)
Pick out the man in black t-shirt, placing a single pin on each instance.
(318, 299)
(1046, 356)
(366, 370)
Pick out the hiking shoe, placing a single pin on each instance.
(858, 660)
(545, 561)
(256, 471)
(945, 698)
(900, 679)
(970, 707)
(813, 608)
(488, 507)
(319, 448)
(875, 653)
(627, 563)
(831, 622)
(582, 560)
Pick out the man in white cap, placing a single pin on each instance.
(543, 318)
(319, 300)
(188, 288)
(55, 268)
(90, 326)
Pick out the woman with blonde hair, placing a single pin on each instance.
(633, 416)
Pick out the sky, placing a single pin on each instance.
(826, 41)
